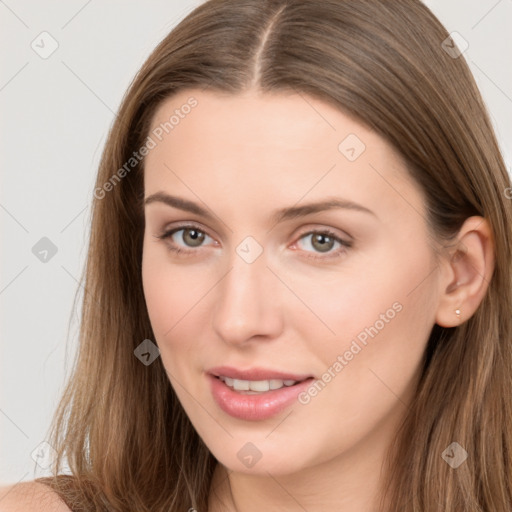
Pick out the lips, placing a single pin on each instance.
(255, 374)
(251, 406)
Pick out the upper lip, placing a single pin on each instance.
(256, 373)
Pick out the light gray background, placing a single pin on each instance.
(56, 112)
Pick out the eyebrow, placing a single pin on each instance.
(280, 215)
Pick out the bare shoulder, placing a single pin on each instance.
(30, 497)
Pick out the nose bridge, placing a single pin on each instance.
(247, 300)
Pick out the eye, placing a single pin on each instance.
(192, 236)
(322, 241)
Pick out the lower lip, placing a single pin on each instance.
(255, 407)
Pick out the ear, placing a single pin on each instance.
(466, 271)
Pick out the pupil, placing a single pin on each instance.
(194, 235)
(323, 240)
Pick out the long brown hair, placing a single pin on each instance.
(119, 425)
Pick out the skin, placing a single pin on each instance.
(242, 157)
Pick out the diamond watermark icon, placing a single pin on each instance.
(454, 45)
(248, 455)
(249, 249)
(147, 352)
(454, 455)
(351, 147)
(44, 250)
(44, 45)
(44, 455)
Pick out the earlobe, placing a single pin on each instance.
(467, 271)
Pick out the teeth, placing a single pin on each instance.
(241, 385)
(276, 383)
(259, 386)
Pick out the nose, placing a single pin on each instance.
(247, 302)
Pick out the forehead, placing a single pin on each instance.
(289, 121)
(277, 147)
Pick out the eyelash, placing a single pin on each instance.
(336, 254)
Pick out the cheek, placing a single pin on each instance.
(369, 321)
(164, 302)
(177, 302)
(370, 370)
(160, 293)
(169, 292)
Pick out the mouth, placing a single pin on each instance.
(256, 374)
(254, 397)
(256, 387)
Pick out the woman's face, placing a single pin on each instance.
(254, 288)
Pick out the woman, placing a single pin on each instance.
(298, 280)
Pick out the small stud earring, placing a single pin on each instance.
(457, 312)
